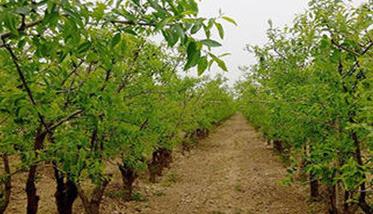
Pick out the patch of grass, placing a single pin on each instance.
(171, 178)
(119, 194)
(159, 193)
(137, 196)
(115, 194)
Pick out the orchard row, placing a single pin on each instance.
(81, 86)
(311, 94)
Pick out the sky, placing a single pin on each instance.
(252, 17)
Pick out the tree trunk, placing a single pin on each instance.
(278, 146)
(186, 144)
(314, 187)
(161, 159)
(201, 133)
(92, 206)
(5, 197)
(362, 198)
(66, 192)
(32, 197)
(346, 203)
(153, 167)
(128, 177)
(166, 158)
(333, 209)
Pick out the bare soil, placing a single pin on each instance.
(231, 171)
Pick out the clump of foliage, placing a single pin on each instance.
(81, 85)
(311, 91)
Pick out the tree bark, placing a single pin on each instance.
(92, 205)
(333, 209)
(5, 197)
(346, 204)
(278, 146)
(32, 197)
(362, 198)
(128, 177)
(314, 186)
(161, 159)
(66, 192)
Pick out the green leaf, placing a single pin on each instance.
(224, 54)
(210, 43)
(196, 27)
(220, 29)
(71, 32)
(163, 23)
(170, 37)
(179, 31)
(220, 62)
(51, 5)
(210, 23)
(51, 19)
(137, 2)
(23, 10)
(99, 11)
(193, 55)
(230, 20)
(193, 6)
(84, 47)
(10, 22)
(202, 65)
(207, 31)
(115, 40)
(130, 31)
(129, 16)
(155, 5)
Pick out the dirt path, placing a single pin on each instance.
(232, 171)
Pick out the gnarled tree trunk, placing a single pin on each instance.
(128, 177)
(32, 197)
(161, 159)
(66, 192)
(92, 205)
(314, 187)
(278, 146)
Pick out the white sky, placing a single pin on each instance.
(252, 17)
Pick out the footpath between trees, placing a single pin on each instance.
(232, 171)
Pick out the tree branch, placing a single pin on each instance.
(126, 22)
(68, 118)
(22, 28)
(24, 83)
(72, 72)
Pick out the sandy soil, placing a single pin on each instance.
(231, 171)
